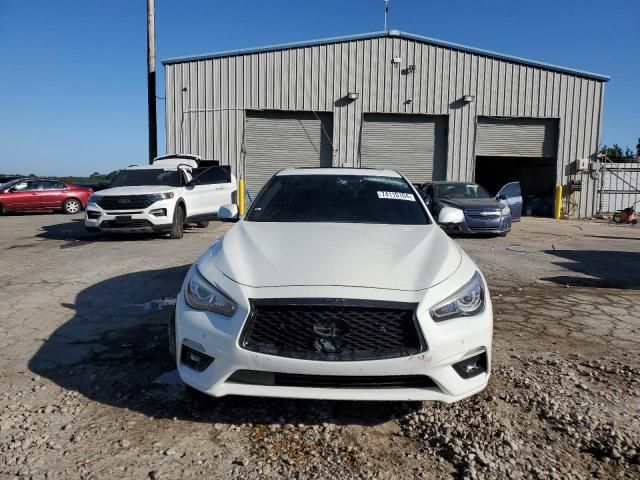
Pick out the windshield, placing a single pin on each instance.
(148, 176)
(4, 186)
(460, 190)
(337, 199)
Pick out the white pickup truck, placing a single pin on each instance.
(161, 197)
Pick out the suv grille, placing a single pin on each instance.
(129, 202)
(332, 329)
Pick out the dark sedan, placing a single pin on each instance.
(483, 213)
(32, 194)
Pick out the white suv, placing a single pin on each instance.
(161, 197)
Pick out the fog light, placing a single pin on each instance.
(194, 359)
(472, 366)
(159, 212)
(92, 214)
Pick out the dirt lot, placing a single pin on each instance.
(87, 389)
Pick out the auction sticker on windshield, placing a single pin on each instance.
(397, 196)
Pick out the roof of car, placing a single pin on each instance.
(370, 172)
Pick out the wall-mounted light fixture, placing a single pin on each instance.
(468, 98)
(353, 95)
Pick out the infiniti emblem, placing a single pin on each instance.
(329, 336)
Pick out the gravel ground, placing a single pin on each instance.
(87, 389)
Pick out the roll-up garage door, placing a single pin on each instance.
(277, 140)
(414, 145)
(516, 137)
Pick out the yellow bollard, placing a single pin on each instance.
(241, 197)
(557, 208)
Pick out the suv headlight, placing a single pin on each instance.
(506, 209)
(94, 199)
(467, 301)
(200, 294)
(156, 197)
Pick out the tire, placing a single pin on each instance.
(177, 226)
(617, 217)
(203, 224)
(92, 229)
(71, 206)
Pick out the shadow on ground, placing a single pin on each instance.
(598, 268)
(114, 351)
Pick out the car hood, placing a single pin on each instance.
(396, 257)
(141, 190)
(489, 203)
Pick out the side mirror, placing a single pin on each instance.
(501, 196)
(228, 212)
(450, 215)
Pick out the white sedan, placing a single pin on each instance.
(336, 284)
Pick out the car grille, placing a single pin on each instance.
(332, 329)
(485, 219)
(130, 202)
(137, 223)
(275, 379)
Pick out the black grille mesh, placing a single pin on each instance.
(129, 202)
(332, 330)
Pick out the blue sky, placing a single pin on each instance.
(73, 81)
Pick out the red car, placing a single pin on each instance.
(27, 194)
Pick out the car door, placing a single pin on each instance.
(211, 189)
(51, 194)
(22, 196)
(511, 194)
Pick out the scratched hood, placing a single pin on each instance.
(399, 257)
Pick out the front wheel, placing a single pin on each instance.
(71, 206)
(617, 217)
(177, 226)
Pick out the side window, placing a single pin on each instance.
(214, 175)
(59, 186)
(23, 186)
(50, 185)
(511, 190)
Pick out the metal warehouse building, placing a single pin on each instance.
(430, 109)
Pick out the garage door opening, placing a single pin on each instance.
(536, 177)
(275, 140)
(522, 150)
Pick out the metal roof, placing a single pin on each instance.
(395, 34)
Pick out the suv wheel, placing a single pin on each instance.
(177, 226)
(71, 206)
(203, 224)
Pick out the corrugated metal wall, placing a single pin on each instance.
(206, 99)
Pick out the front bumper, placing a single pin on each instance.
(130, 221)
(448, 342)
(473, 226)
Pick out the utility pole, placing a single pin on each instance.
(386, 12)
(151, 79)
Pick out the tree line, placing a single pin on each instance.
(615, 153)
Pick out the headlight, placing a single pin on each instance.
(469, 300)
(156, 197)
(200, 294)
(506, 209)
(93, 199)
